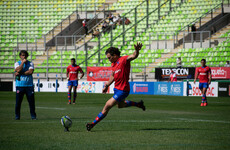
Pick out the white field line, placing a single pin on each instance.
(124, 121)
(201, 120)
(50, 108)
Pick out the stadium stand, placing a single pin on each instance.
(32, 19)
(215, 57)
(166, 24)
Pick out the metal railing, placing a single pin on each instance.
(130, 27)
(202, 17)
(43, 38)
(167, 40)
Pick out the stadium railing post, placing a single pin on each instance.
(123, 24)
(56, 42)
(183, 40)
(38, 83)
(192, 34)
(149, 40)
(135, 21)
(176, 37)
(86, 54)
(17, 43)
(111, 32)
(61, 64)
(209, 34)
(99, 48)
(56, 85)
(36, 46)
(26, 44)
(75, 47)
(174, 40)
(47, 64)
(159, 9)
(53, 36)
(69, 22)
(165, 41)
(76, 12)
(147, 12)
(201, 36)
(157, 41)
(14, 55)
(145, 74)
(61, 27)
(65, 43)
(44, 42)
(31, 54)
(170, 5)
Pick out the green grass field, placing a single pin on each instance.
(168, 123)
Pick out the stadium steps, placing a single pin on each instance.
(88, 37)
(163, 58)
(49, 36)
(216, 36)
(204, 20)
(158, 61)
(40, 59)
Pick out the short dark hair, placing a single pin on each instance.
(25, 52)
(203, 60)
(73, 59)
(113, 51)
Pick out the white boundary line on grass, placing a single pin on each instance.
(127, 121)
(50, 108)
(201, 120)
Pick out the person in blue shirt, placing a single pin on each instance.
(24, 84)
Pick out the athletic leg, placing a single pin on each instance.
(69, 93)
(201, 89)
(19, 97)
(109, 104)
(31, 101)
(74, 94)
(204, 98)
(127, 103)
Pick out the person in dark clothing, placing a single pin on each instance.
(193, 28)
(104, 27)
(85, 26)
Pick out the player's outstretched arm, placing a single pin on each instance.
(82, 75)
(136, 52)
(111, 79)
(67, 73)
(209, 77)
(196, 76)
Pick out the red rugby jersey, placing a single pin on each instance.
(203, 73)
(121, 69)
(73, 72)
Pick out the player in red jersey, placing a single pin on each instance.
(204, 73)
(121, 69)
(72, 77)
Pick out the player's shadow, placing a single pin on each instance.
(156, 129)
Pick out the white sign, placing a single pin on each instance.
(212, 91)
(83, 87)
